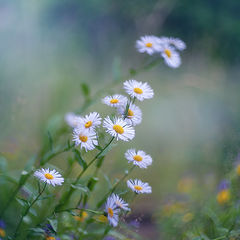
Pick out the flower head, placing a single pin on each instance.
(119, 128)
(171, 56)
(174, 42)
(86, 138)
(138, 90)
(138, 186)
(72, 119)
(148, 44)
(223, 195)
(112, 211)
(116, 100)
(119, 202)
(90, 121)
(139, 158)
(49, 176)
(2, 229)
(134, 114)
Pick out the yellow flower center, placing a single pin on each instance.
(138, 188)
(2, 233)
(110, 212)
(88, 124)
(82, 217)
(137, 158)
(148, 44)
(168, 52)
(223, 196)
(130, 113)
(119, 129)
(238, 169)
(114, 100)
(83, 138)
(50, 238)
(102, 219)
(48, 176)
(138, 90)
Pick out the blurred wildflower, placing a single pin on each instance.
(174, 42)
(72, 119)
(147, 44)
(138, 90)
(223, 195)
(119, 128)
(173, 208)
(238, 168)
(85, 138)
(187, 217)
(115, 100)
(139, 158)
(2, 229)
(134, 114)
(49, 177)
(82, 216)
(185, 185)
(119, 202)
(138, 186)
(171, 56)
(90, 121)
(112, 211)
(101, 218)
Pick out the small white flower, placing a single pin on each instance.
(138, 90)
(120, 202)
(112, 212)
(72, 119)
(85, 138)
(139, 158)
(119, 128)
(138, 186)
(134, 114)
(148, 44)
(49, 177)
(116, 100)
(90, 121)
(171, 56)
(175, 42)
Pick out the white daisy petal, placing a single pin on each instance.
(119, 128)
(72, 119)
(119, 202)
(148, 44)
(90, 121)
(86, 138)
(171, 56)
(134, 116)
(50, 177)
(115, 100)
(139, 158)
(112, 212)
(138, 186)
(138, 90)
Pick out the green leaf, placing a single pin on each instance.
(92, 182)
(85, 90)
(53, 223)
(50, 140)
(108, 181)
(3, 164)
(80, 160)
(30, 163)
(100, 162)
(80, 187)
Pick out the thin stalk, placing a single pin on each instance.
(27, 210)
(82, 209)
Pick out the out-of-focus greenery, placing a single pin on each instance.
(48, 48)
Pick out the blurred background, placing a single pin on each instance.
(191, 127)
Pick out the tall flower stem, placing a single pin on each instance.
(27, 210)
(66, 198)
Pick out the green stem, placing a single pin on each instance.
(27, 210)
(82, 209)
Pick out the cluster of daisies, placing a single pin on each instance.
(168, 48)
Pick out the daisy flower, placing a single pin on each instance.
(2, 229)
(119, 128)
(139, 158)
(171, 56)
(112, 211)
(134, 115)
(86, 138)
(175, 42)
(116, 100)
(49, 176)
(138, 186)
(138, 90)
(120, 202)
(90, 121)
(72, 119)
(148, 44)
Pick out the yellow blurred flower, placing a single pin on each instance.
(187, 217)
(172, 208)
(238, 169)
(50, 238)
(185, 185)
(82, 216)
(2, 233)
(101, 218)
(223, 196)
